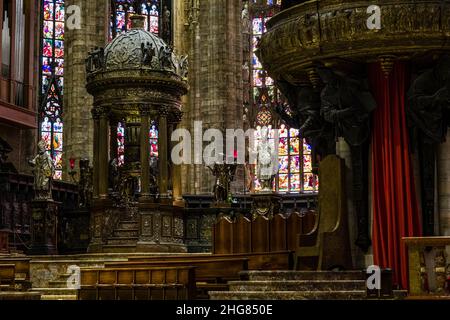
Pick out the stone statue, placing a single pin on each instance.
(148, 52)
(428, 115)
(165, 58)
(304, 114)
(113, 174)
(43, 173)
(95, 60)
(429, 102)
(183, 67)
(246, 25)
(5, 166)
(267, 161)
(85, 187)
(224, 174)
(304, 104)
(346, 104)
(166, 25)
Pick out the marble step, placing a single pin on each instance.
(119, 248)
(128, 225)
(58, 284)
(55, 291)
(298, 285)
(288, 295)
(59, 297)
(302, 275)
(126, 232)
(123, 240)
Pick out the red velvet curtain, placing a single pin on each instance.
(395, 208)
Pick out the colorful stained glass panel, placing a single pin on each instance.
(283, 147)
(283, 164)
(283, 182)
(48, 10)
(294, 147)
(307, 166)
(295, 164)
(48, 29)
(59, 12)
(295, 183)
(59, 30)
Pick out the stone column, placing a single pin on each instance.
(144, 152)
(443, 177)
(103, 154)
(78, 127)
(113, 138)
(96, 117)
(176, 170)
(162, 150)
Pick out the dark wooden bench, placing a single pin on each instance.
(7, 277)
(22, 271)
(211, 273)
(208, 269)
(15, 295)
(278, 260)
(137, 283)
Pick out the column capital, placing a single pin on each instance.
(164, 111)
(99, 112)
(176, 117)
(144, 110)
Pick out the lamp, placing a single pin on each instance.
(72, 171)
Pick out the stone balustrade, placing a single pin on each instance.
(421, 281)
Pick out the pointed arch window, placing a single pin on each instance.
(155, 12)
(153, 140)
(51, 80)
(295, 172)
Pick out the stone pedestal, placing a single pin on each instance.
(161, 228)
(265, 204)
(43, 227)
(4, 245)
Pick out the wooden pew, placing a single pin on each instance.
(7, 274)
(22, 271)
(277, 260)
(137, 283)
(211, 273)
(216, 270)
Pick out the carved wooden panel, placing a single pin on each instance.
(294, 227)
(241, 235)
(278, 233)
(223, 236)
(260, 235)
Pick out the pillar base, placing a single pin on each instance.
(146, 246)
(43, 227)
(265, 204)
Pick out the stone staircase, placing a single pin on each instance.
(124, 237)
(57, 289)
(295, 285)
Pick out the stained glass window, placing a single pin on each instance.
(120, 144)
(295, 171)
(153, 140)
(121, 10)
(51, 75)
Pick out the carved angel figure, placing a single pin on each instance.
(429, 101)
(165, 58)
(148, 52)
